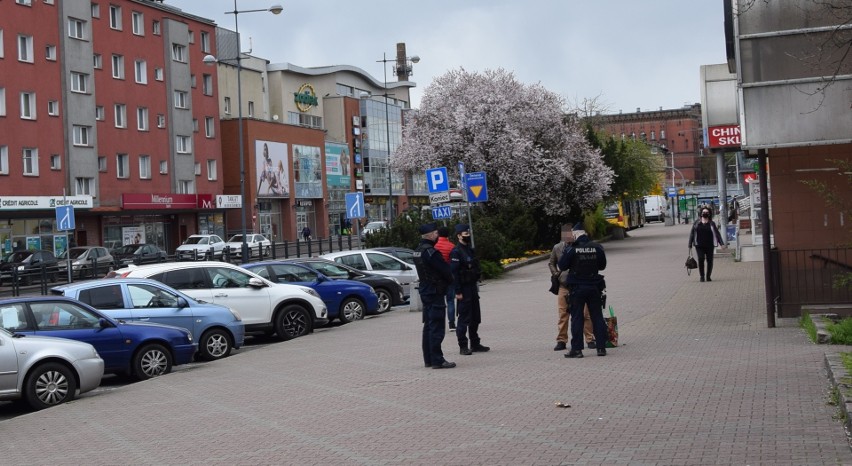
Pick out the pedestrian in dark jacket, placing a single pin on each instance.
(702, 235)
(435, 276)
(466, 274)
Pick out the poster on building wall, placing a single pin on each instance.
(271, 164)
(307, 171)
(337, 165)
(60, 244)
(133, 235)
(33, 243)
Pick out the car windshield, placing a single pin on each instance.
(73, 252)
(127, 249)
(237, 239)
(196, 240)
(17, 256)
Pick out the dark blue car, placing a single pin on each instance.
(137, 349)
(346, 300)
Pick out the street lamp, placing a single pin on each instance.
(209, 60)
(403, 68)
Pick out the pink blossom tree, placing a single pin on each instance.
(518, 134)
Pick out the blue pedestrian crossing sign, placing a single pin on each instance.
(65, 218)
(436, 179)
(476, 187)
(355, 205)
(442, 212)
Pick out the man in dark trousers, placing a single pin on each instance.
(435, 277)
(466, 273)
(583, 262)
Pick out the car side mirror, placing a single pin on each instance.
(352, 275)
(181, 302)
(321, 278)
(103, 323)
(255, 282)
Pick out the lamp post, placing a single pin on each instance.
(209, 59)
(403, 68)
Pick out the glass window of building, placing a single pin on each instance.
(144, 167)
(115, 17)
(122, 166)
(30, 158)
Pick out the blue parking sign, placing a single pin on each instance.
(436, 179)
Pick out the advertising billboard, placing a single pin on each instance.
(307, 171)
(338, 167)
(272, 169)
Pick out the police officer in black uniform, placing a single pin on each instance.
(466, 272)
(583, 261)
(435, 277)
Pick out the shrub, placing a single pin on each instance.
(490, 269)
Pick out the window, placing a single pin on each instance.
(161, 120)
(179, 53)
(24, 2)
(158, 74)
(186, 187)
(99, 113)
(180, 99)
(164, 167)
(183, 144)
(155, 28)
(50, 52)
(122, 166)
(1, 43)
(96, 10)
(52, 107)
(138, 23)
(115, 17)
(303, 119)
(141, 72)
(102, 164)
(197, 168)
(142, 118)
(55, 162)
(76, 28)
(82, 135)
(144, 167)
(191, 37)
(25, 48)
(209, 127)
(205, 42)
(28, 105)
(98, 61)
(79, 82)
(195, 125)
(662, 135)
(118, 66)
(192, 81)
(83, 186)
(4, 160)
(48, 2)
(227, 105)
(250, 108)
(120, 115)
(30, 161)
(207, 84)
(2, 101)
(211, 170)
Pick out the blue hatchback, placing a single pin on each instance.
(217, 329)
(346, 300)
(137, 349)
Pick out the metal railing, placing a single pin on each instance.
(810, 277)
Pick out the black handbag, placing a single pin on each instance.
(554, 284)
(690, 262)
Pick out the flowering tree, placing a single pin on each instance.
(516, 133)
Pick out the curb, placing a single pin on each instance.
(840, 380)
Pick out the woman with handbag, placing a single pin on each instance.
(702, 236)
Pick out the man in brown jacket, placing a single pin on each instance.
(562, 296)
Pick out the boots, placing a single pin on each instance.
(464, 350)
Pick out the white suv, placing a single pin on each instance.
(203, 247)
(289, 311)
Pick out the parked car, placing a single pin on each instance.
(29, 265)
(372, 227)
(138, 254)
(142, 350)
(86, 261)
(289, 311)
(388, 289)
(403, 254)
(217, 329)
(346, 300)
(256, 243)
(44, 371)
(377, 262)
(201, 247)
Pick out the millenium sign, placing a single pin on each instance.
(305, 98)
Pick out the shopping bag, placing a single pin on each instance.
(690, 262)
(611, 329)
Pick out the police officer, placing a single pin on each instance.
(466, 273)
(583, 261)
(435, 276)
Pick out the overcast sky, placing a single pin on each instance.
(627, 53)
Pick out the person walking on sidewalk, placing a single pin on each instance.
(583, 262)
(435, 276)
(466, 273)
(702, 235)
(445, 247)
(562, 296)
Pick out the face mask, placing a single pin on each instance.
(705, 214)
(465, 239)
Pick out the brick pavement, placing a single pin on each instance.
(699, 380)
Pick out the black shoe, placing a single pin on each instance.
(560, 346)
(479, 348)
(574, 354)
(465, 351)
(445, 365)
(708, 279)
(702, 279)
(452, 326)
(602, 352)
(591, 345)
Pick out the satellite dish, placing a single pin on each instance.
(275, 117)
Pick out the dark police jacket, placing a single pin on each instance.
(465, 267)
(584, 260)
(433, 271)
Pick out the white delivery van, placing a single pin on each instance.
(655, 208)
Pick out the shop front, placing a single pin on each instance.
(29, 222)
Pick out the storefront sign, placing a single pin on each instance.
(305, 98)
(724, 136)
(43, 202)
(205, 201)
(158, 201)
(229, 201)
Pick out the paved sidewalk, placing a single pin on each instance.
(699, 380)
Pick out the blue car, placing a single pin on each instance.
(137, 349)
(216, 328)
(346, 300)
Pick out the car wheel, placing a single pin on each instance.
(48, 385)
(150, 361)
(385, 300)
(292, 321)
(351, 309)
(27, 280)
(215, 344)
(267, 252)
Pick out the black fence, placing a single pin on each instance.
(810, 277)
